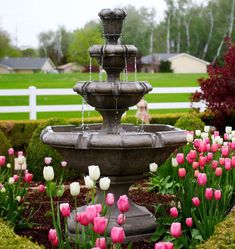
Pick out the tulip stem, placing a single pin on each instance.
(77, 229)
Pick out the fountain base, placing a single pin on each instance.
(140, 223)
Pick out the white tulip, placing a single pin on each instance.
(233, 133)
(228, 129)
(104, 183)
(11, 180)
(21, 160)
(204, 135)
(153, 167)
(189, 138)
(94, 172)
(48, 173)
(8, 165)
(233, 139)
(207, 128)
(3, 190)
(174, 162)
(88, 182)
(18, 198)
(198, 133)
(75, 188)
(220, 140)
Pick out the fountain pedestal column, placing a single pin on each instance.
(140, 223)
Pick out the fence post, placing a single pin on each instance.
(32, 103)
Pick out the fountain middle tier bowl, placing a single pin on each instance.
(125, 154)
(112, 95)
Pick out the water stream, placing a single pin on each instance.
(135, 70)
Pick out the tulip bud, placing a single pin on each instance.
(104, 183)
(204, 135)
(217, 195)
(218, 171)
(2, 160)
(18, 198)
(3, 190)
(189, 222)
(209, 193)
(65, 209)
(48, 173)
(123, 203)
(28, 177)
(16, 178)
(91, 212)
(189, 138)
(8, 165)
(75, 188)
(117, 235)
(195, 165)
(63, 164)
(98, 208)
(100, 224)
(181, 172)
(94, 172)
(214, 164)
(109, 199)
(47, 160)
(174, 162)
(153, 167)
(11, 152)
(88, 182)
(21, 160)
(228, 129)
(180, 158)
(121, 219)
(11, 180)
(176, 230)
(41, 188)
(207, 128)
(221, 161)
(196, 172)
(196, 201)
(198, 133)
(174, 212)
(201, 179)
(101, 243)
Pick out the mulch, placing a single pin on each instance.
(42, 219)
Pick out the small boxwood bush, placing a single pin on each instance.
(9, 240)
(37, 151)
(224, 235)
(190, 122)
(4, 145)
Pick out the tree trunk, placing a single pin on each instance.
(168, 35)
(178, 36)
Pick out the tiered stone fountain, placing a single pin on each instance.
(123, 152)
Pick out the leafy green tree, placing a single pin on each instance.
(5, 45)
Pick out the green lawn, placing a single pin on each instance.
(22, 81)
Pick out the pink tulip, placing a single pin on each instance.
(232, 145)
(233, 161)
(96, 247)
(164, 245)
(202, 146)
(181, 172)
(176, 230)
(11, 152)
(100, 224)
(180, 158)
(196, 172)
(217, 195)
(218, 171)
(216, 133)
(189, 159)
(109, 199)
(221, 161)
(20, 153)
(117, 235)
(123, 203)
(16, 178)
(28, 177)
(101, 243)
(65, 209)
(189, 222)
(193, 154)
(201, 179)
(98, 208)
(196, 201)
(214, 147)
(82, 218)
(195, 165)
(202, 161)
(208, 147)
(55, 242)
(2, 160)
(47, 160)
(174, 212)
(121, 219)
(91, 212)
(41, 188)
(209, 156)
(52, 236)
(209, 193)
(214, 164)
(227, 163)
(226, 136)
(207, 140)
(63, 164)
(196, 143)
(225, 151)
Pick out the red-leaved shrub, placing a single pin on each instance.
(218, 90)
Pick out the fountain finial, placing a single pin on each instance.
(112, 24)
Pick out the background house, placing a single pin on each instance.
(70, 68)
(180, 63)
(26, 65)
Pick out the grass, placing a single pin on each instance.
(22, 81)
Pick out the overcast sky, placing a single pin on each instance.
(25, 19)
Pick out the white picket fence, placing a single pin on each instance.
(33, 108)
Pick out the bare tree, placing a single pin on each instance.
(168, 35)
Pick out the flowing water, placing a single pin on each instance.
(135, 70)
(126, 72)
(90, 68)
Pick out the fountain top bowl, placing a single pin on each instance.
(115, 14)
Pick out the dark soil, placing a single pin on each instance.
(43, 220)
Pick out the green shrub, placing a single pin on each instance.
(37, 151)
(190, 122)
(223, 236)
(4, 145)
(165, 67)
(9, 240)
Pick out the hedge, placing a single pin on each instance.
(223, 236)
(19, 133)
(10, 240)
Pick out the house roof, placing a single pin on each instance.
(157, 57)
(164, 57)
(24, 62)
